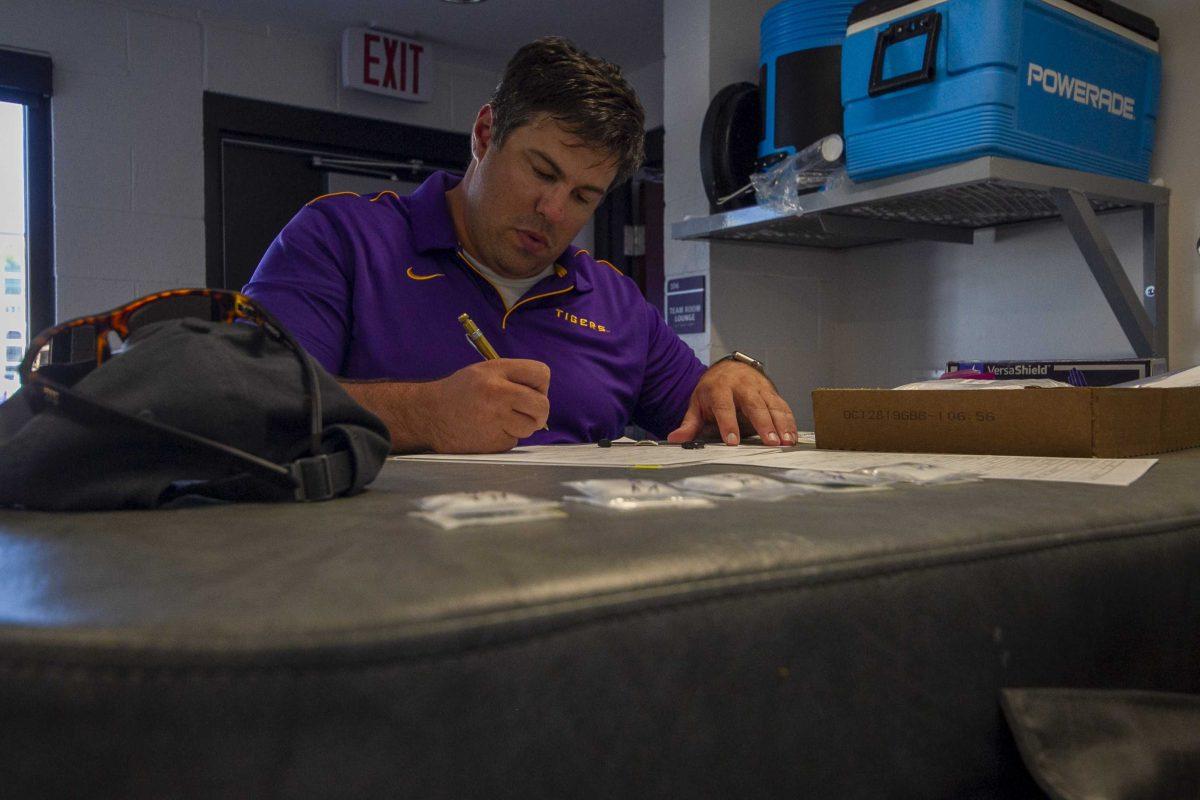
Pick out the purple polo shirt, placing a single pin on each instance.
(372, 287)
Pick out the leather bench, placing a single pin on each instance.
(824, 646)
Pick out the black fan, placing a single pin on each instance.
(729, 144)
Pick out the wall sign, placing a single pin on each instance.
(685, 304)
(386, 63)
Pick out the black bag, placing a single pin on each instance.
(187, 409)
(1119, 745)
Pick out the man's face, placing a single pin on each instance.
(528, 198)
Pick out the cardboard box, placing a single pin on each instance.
(1101, 422)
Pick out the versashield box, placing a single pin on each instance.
(1090, 372)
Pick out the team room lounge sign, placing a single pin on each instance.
(386, 63)
(685, 304)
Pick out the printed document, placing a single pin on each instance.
(619, 455)
(1097, 471)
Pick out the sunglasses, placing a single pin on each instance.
(62, 354)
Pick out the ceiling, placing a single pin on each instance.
(626, 32)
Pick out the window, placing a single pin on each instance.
(25, 204)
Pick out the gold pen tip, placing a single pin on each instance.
(463, 318)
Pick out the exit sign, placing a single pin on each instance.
(385, 63)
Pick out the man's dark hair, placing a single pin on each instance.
(587, 96)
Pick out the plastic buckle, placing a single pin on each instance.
(313, 477)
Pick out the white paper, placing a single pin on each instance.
(1097, 471)
(590, 455)
(947, 384)
(1172, 380)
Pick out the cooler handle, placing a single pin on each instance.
(928, 24)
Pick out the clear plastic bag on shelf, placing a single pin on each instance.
(781, 186)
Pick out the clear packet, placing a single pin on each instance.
(986, 384)
(921, 474)
(493, 507)
(632, 494)
(837, 481)
(740, 486)
(1180, 377)
(782, 185)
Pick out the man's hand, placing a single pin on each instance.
(731, 398)
(482, 408)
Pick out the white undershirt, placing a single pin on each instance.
(511, 289)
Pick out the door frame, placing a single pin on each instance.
(243, 119)
(27, 79)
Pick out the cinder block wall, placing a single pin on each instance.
(127, 117)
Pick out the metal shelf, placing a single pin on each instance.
(949, 204)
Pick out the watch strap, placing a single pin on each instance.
(743, 358)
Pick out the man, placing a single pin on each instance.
(373, 287)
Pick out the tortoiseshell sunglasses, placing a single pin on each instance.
(61, 354)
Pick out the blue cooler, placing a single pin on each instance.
(1073, 83)
(800, 62)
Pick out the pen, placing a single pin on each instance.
(477, 339)
(694, 444)
(480, 343)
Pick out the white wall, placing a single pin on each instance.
(686, 92)
(767, 300)
(1177, 161)
(886, 315)
(127, 118)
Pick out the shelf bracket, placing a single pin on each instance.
(1155, 275)
(843, 224)
(1109, 274)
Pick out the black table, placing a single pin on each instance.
(824, 646)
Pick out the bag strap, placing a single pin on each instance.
(312, 478)
(322, 477)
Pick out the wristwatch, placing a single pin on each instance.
(741, 357)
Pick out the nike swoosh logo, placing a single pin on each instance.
(417, 277)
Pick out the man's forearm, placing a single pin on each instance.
(403, 407)
(485, 407)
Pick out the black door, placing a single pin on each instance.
(262, 189)
(264, 161)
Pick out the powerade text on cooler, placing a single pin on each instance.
(1071, 83)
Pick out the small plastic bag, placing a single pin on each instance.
(741, 486)
(831, 480)
(626, 494)
(962, 384)
(459, 509)
(780, 186)
(921, 474)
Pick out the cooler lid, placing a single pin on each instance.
(1107, 9)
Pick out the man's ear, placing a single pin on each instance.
(481, 133)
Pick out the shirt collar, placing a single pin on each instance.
(432, 225)
(433, 229)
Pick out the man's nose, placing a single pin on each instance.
(552, 204)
